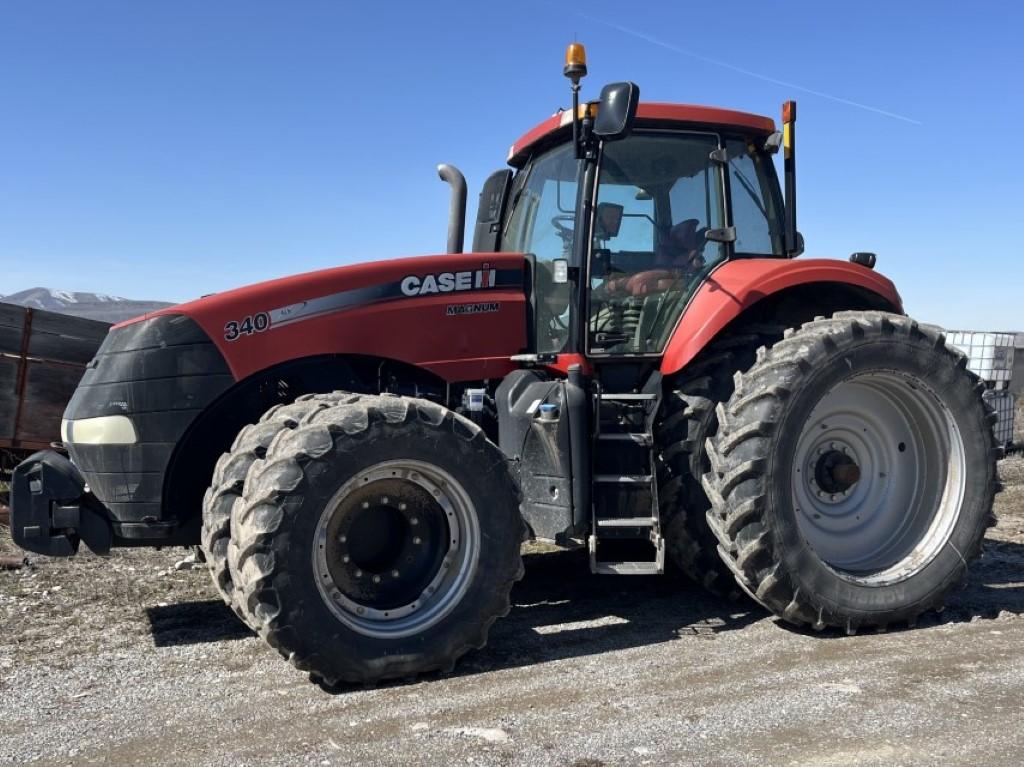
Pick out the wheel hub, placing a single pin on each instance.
(832, 471)
(396, 548)
(386, 543)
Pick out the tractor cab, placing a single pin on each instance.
(625, 209)
(622, 236)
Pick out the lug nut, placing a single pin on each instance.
(414, 521)
(346, 559)
(342, 538)
(376, 579)
(401, 507)
(394, 573)
(359, 573)
(366, 504)
(384, 500)
(416, 541)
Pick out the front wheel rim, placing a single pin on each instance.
(878, 478)
(389, 517)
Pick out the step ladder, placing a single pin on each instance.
(624, 505)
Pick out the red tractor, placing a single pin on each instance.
(630, 359)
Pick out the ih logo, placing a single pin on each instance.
(450, 282)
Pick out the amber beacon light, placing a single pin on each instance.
(575, 62)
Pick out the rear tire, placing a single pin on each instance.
(876, 524)
(377, 540)
(688, 419)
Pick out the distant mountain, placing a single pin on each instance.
(94, 306)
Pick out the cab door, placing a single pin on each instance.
(659, 228)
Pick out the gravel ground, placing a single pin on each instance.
(126, 660)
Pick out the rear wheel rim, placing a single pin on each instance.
(879, 476)
(396, 548)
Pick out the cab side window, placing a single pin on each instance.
(755, 207)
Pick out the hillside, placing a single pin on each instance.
(94, 306)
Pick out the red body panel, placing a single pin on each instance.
(679, 113)
(738, 285)
(419, 329)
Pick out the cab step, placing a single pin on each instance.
(627, 522)
(655, 566)
(624, 479)
(625, 534)
(628, 568)
(638, 438)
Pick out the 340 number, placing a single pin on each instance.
(256, 323)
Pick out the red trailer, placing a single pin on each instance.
(42, 358)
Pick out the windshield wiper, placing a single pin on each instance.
(515, 197)
(749, 189)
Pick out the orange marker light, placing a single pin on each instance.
(575, 62)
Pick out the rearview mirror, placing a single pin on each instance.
(616, 110)
(608, 220)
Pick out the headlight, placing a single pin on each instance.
(103, 430)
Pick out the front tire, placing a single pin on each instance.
(228, 482)
(853, 472)
(377, 540)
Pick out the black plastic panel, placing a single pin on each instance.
(145, 364)
(161, 373)
(164, 330)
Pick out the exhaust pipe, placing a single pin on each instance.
(457, 208)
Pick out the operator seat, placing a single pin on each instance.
(677, 256)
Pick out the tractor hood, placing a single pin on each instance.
(415, 310)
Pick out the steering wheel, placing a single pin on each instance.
(563, 231)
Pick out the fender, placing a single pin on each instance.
(737, 285)
(460, 316)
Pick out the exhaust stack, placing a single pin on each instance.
(457, 207)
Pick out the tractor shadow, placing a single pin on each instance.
(560, 610)
(187, 623)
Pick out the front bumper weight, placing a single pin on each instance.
(51, 511)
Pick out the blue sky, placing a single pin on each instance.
(168, 149)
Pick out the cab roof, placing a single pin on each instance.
(647, 114)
